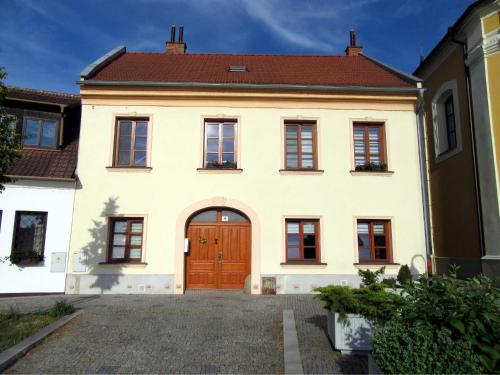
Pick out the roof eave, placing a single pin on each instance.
(407, 77)
(102, 61)
(251, 86)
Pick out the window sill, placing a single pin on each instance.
(123, 264)
(372, 173)
(306, 264)
(220, 170)
(376, 264)
(129, 169)
(301, 171)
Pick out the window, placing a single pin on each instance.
(451, 131)
(40, 132)
(131, 143)
(218, 215)
(29, 234)
(300, 146)
(126, 239)
(220, 144)
(374, 243)
(369, 147)
(302, 240)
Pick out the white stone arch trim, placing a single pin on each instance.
(224, 202)
(439, 122)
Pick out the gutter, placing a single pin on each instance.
(424, 177)
(250, 86)
(40, 178)
(472, 127)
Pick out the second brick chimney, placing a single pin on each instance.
(353, 49)
(178, 46)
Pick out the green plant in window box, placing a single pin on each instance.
(371, 167)
(223, 165)
(23, 258)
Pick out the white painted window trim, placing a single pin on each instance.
(438, 119)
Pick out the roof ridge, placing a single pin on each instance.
(231, 54)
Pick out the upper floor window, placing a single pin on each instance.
(125, 244)
(29, 235)
(40, 132)
(302, 240)
(220, 144)
(300, 146)
(451, 131)
(374, 241)
(446, 121)
(131, 143)
(369, 147)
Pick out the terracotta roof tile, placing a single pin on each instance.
(262, 69)
(21, 93)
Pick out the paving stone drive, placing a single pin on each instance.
(200, 332)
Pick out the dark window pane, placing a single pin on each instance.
(141, 143)
(49, 136)
(140, 158)
(309, 253)
(364, 254)
(293, 253)
(124, 158)
(212, 157)
(380, 253)
(232, 216)
(124, 144)
(309, 240)
(227, 158)
(213, 130)
(228, 145)
(228, 130)
(293, 239)
(141, 129)
(363, 240)
(31, 132)
(125, 127)
(379, 240)
(212, 145)
(206, 216)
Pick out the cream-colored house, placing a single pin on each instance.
(215, 171)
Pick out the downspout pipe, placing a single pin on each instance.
(475, 166)
(424, 177)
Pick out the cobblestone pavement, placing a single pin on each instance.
(200, 332)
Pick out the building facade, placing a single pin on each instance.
(266, 172)
(462, 116)
(36, 209)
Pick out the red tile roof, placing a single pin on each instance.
(43, 96)
(262, 69)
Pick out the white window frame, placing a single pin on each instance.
(441, 151)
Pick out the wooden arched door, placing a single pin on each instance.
(219, 255)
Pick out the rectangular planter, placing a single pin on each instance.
(353, 337)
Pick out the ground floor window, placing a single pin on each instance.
(374, 241)
(29, 235)
(126, 235)
(302, 240)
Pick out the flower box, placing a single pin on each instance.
(353, 336)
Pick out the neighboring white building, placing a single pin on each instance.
(36, 209)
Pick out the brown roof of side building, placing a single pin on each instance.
(57, 163)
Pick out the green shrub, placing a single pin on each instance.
(400, 348)
(404, 275)
(376, 305)
(61, 308)
(371, 278)
(11, 314)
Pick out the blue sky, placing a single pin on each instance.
(46, 43)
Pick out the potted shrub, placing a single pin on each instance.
(354, 312)
(223, 165)
(371, 167)
(24, 258)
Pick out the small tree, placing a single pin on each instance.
(10, 140)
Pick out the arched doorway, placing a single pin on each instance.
(219, 254)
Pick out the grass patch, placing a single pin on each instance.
(15, 327)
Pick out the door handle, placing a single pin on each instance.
(219, 257)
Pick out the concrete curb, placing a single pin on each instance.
(11, 355)
(293, 362)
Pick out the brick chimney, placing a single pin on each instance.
(353, 49)
(178, 47)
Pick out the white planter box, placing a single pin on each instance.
(353, 337)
